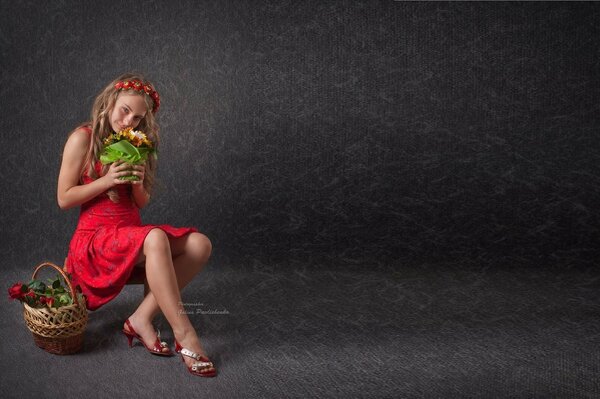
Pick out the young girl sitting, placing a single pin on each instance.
(110, 241)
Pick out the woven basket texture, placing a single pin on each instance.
(59, 331)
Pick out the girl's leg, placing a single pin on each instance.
(166, 276)
(190, 254)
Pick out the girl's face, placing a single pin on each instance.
(129, 110)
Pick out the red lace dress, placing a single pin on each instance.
(107, 242)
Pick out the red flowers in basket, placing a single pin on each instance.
(38, 294)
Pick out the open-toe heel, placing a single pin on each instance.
(159, 348)
(202, 367)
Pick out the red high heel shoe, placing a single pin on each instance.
(160, 348)
(203, 367)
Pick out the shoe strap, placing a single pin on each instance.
(189, 353)
(162, 343)
(195, 356)
(130, 327)
(200, 365)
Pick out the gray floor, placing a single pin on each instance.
(451, 330)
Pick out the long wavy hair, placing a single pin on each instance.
(101, 128)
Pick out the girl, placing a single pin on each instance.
(110, 242)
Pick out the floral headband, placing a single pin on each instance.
(139, 86)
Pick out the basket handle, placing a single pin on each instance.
(64, 276)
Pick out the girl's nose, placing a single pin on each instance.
(128, 119)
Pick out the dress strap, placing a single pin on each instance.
(85, 127)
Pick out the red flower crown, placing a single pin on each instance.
(139, 86)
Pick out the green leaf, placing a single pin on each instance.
(37, 286)
(129, 178)
(64, 299)
(56, 284)
(125, 151)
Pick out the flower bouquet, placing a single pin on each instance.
(128, 145)
(56, 317)
(37, 294)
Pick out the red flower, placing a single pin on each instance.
(16, 291)
(46, 300)
(141, 87)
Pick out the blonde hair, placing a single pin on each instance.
(101, 128)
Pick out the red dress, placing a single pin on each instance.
(107, 242)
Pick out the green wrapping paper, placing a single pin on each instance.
(125, 151)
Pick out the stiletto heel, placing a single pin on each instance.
(202, 367)
(129, 337)
(159, 348)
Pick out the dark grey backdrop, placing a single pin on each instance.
(346, 132)
(410, 153)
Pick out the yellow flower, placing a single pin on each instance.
(135, 137)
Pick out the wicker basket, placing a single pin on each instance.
(59, 331)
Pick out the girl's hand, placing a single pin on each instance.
(140, 172)
(117, 169)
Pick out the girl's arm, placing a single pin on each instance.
(140, 195)
(70, 193)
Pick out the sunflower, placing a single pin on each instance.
(135, 137)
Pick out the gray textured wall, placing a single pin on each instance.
(322, 131)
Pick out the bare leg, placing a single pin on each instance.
(190, 255)
(165, 278)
